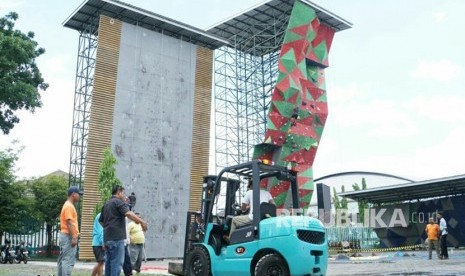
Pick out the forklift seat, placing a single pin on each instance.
(267, 210)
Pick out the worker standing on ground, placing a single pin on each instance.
(97, 247)
(443, 239)
(69, 233)
(432, 231)
(114, 230)
(136, 246)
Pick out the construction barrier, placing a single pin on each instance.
(362, 250)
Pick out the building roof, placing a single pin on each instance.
(446, 186)
(88, 13)
(268, 19)
(362, 173)
(265, 24)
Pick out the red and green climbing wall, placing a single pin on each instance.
(299, 108)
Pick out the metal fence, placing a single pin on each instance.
(35, 237)
(362, 237)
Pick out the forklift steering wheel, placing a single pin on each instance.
(237, 208)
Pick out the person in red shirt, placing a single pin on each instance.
(432, 231)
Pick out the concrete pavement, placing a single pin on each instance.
(390, 263)
(386, 264)
(400, 263)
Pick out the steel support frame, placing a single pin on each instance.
(244, 78)
(82, 101)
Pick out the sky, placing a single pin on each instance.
(395, 85)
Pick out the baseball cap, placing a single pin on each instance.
(74, 189)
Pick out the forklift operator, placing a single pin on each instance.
(247, 204)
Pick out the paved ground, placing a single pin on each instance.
(387, 264)
(47, 268)
(416, 263)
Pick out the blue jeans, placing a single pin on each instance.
(114, 257)
(67, 256)
(127, 267)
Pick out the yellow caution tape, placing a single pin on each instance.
(349, 250)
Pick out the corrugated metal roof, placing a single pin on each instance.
(362, 173)
(447, 186)
(261, 27)
(89, 11)
(264, 25)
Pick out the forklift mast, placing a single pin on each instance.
(206, 246)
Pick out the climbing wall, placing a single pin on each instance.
(161, 112)
(298, 110)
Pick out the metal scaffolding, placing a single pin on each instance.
(82, 100)
(85, 20)
(245, 70)
(245, 75)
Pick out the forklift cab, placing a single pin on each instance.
(221, 203)
(271, 242)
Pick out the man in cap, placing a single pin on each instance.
(69, 233)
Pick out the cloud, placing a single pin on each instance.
(346, 93)
(352, 108)
(440, 108)
(443, 158)
(9, 5)
(439, 158)
(57, 65)
(440, 17)
(46, 134)
(441, 70)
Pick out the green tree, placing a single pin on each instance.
(26, 210)
(340, 204)
(8, 194)
(107, 178)
(362, 204)
(344, 204)
(336, 200)
(50, 195)
(20, 78)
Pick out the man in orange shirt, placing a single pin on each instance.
(432, 230)
(69, 233)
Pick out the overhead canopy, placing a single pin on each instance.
(88, 14)
(447, 186)
(268, 19)
(265, 24)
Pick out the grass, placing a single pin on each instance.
(41, 270)
(29, 270)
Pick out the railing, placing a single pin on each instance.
(34, 235)
(352, 237)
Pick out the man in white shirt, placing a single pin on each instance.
(247, 203)
(443, 231)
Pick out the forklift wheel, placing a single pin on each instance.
(271, 265)
(198, 262)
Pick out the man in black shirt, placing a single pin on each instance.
(114, 230)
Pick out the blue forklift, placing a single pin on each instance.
(283, 245)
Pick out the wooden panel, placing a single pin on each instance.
(100, 125)
(201, 125)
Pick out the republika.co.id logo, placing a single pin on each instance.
(373, 217)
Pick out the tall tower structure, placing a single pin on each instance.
(144, 89)
(270, 87)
